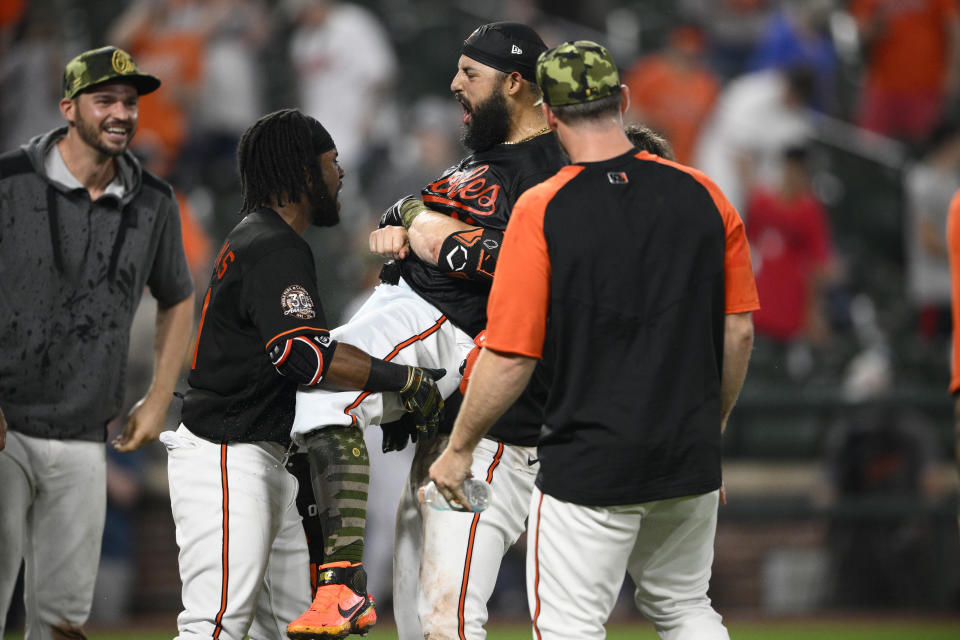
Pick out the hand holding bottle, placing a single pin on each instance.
(476, 491)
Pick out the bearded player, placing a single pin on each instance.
(243, 555)
(446, 563)
(429, 312)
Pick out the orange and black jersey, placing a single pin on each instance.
(635, 261)
(480, 190)
(263, 290)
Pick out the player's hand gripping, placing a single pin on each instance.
(421, 397)
(390, 242)
(449, 471)
(398, 433)
(144, 424)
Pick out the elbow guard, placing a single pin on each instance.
(471, 254)
(303, 358)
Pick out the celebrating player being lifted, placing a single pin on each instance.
(431, 312)
(444, 557)
(243, 555)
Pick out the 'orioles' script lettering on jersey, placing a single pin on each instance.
(481, 190)
(466, 191)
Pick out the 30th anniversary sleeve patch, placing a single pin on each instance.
(296, 302)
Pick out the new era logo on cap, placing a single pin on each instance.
(505, 46)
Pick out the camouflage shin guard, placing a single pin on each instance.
(340, 475)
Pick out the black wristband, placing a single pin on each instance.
(386, 376)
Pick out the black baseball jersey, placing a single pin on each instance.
(263, 289)
(481, 190)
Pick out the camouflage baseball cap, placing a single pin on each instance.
(575, 72)
(102, 65)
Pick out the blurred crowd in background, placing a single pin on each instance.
(831, 125)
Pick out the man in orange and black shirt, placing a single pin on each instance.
(650, 330)
(446, 244)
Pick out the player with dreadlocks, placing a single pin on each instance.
(243, 555)
(646, 139)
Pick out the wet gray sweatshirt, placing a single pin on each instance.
(71, 275)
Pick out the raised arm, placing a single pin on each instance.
(425, 237)
(456, 248)
(428, 232)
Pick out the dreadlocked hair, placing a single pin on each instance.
(276, 159)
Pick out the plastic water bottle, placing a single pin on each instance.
(477, 492)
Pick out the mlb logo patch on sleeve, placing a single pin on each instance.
(617, 177)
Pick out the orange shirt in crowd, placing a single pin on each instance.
(196, 241)
(910, 49)
(953, 248)
(672, 99)
(177, 59)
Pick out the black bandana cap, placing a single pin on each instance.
(507, 47)
(320, 138)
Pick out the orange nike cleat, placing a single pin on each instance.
(342, 605)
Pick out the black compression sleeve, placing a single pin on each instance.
(386, 376)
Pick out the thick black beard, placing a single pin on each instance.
(323, 208)
(489, 124)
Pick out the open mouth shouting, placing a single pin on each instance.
(467, 110)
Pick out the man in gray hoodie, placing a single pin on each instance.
(83, 229)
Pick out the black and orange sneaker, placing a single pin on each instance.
(342, 605)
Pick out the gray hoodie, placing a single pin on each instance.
(71, 275)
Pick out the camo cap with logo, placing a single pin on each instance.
(101, 65)
(576, 72)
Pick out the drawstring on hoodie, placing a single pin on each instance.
(128, 220)
(53, 219)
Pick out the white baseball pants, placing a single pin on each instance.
(445, 563)
(243, 553)
(394, 324)
(53, 497)
(577, 557)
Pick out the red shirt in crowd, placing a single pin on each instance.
(790, 240)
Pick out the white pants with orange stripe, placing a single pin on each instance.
(397, 325)
(243, 553)
(445, 563)
(577, 557)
